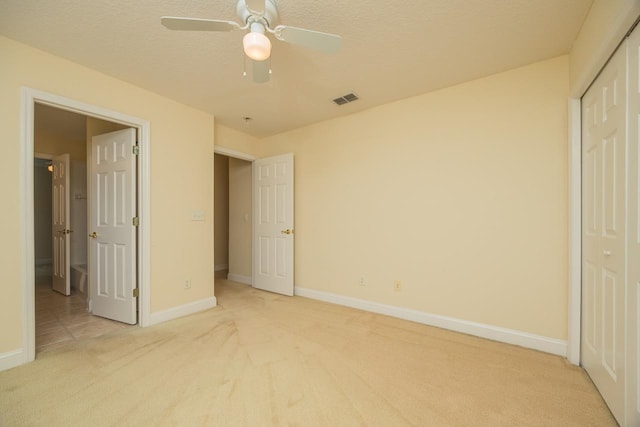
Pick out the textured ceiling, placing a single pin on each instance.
(391, 50)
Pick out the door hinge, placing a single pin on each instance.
(136, 293)
(136, 221)
(136, 150)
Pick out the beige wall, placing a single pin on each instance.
(52, 143)
(460, 194)
(180, 248)
(98, 127)
(237, 141)
(240, 218)
(605, 26)
(221, 211)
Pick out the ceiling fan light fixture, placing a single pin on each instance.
(257, 46)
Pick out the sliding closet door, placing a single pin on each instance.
(604, 232)
(633, 296)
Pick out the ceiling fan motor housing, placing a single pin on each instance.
(270, 15)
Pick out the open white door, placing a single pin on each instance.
(112, 245)
(60, 224)
(273, 224)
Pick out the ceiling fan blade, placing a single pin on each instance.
(194, 24)
(261, 71)
(329, 43)
(256, 6)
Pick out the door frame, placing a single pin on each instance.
(574, 317)
(29, 97)
(250, 158)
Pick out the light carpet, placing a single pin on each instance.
(260, 359)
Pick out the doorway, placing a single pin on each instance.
(64, 315)
(264, 218)
(233, 217)
(30, 98)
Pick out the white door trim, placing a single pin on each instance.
(28, 98)
(233, 153)
(575, 231)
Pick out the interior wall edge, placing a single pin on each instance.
(587, 59)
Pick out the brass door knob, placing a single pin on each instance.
(287, 231)
(93, 235)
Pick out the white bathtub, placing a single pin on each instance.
(79, 279)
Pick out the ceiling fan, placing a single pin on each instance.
(258, 16)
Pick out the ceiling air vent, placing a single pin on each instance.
(350, 97)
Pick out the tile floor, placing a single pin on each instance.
(60, 318)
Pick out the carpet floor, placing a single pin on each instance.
(260, 359)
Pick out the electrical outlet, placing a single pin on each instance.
(362, 281)
(187, 284)
(397, 286)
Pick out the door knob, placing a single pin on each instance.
(93, 235)
(607, 253)
(287, 231)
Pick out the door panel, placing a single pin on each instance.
(60, 224)
(633, 271)
(112, 247)
(273, 224)
(590, 192)
(590, 336)
(604, 233)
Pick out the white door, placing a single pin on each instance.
(60, 224)
(112, 243)
(633, 295)
(273, 224)
(604, 232)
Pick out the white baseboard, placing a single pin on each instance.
(240, 278)
(221, 267)
(11, 359)
(495, 333)
(182, 310)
